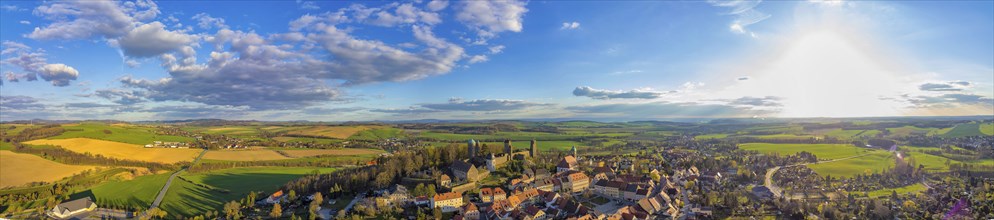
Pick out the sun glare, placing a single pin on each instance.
(824, 74)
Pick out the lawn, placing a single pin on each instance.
(187, 198)
(131, 134)
(822, 151)
(120, 150)
(876, 162)
(18, 169)
(244, 155)
(963, 130)
(138, 192)
(918, 187)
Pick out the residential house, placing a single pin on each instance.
(71, 208)
(448, 202)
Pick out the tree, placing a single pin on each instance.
(654, 176)
(233, 210)
(277, 211)
(437, 213)
(292, 195)
(431, 190)
(154, 213)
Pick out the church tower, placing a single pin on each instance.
(533, 151)
(507, 146)
(472, 148)
(573, 151)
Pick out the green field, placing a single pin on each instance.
(910, 130)
(780, 137)
(918, 187)
(187, 198)
(876, 162)
(308, 140)
(822, 151)
(710, 136)
(987, 128)
(378, 134)
(125, 133)
(963, 130)
(138, 192)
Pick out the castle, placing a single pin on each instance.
(473, 168)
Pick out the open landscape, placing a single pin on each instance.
(496, 110)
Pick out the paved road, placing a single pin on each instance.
(162, 193)
(777, 192)
(354, 200)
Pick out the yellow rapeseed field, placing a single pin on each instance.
(18, 169)
(120, 150)
(244, 155)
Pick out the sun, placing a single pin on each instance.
(825, 74)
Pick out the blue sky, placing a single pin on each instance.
(343, 61)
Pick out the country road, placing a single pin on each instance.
(777, 192)
(162, 193)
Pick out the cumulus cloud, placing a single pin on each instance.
(205, 21)
(456, 104)
(478, 59)
(81, 20)
(609, 94)
(744, 12)
(944, 86)
(196, 111)
(152, 39)
(34, 64)
(489, 18)
(570, 25)
(402, 14)
(437, 5)
(667, 110)
(58, 74)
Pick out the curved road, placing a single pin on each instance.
(162, 193)
(777, 192)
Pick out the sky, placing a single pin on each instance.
(601, 60)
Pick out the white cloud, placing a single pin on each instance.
(437, 5)
(570, 25)
(308, 5)
(402, 14)
(745, 14)
(82, 19)
(24, 22)
(610, 94)
(58, 74)
(35, 64)
(205, 21)
(478, 59)
(492, 17)
(496, 49)
(153, 39)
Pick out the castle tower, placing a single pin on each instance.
(472, 145)
(507, 147)
(533, 151)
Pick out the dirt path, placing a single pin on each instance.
(165, 188)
